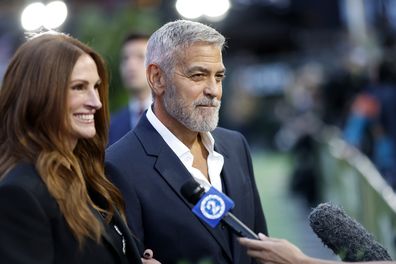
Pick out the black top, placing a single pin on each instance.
(33, 230)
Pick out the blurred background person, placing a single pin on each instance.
(56, 204)
(371, 122)
(133, 75)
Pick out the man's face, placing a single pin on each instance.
(193, 94)
(132, 68)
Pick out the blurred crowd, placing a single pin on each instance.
(357, 97)
(325, 71)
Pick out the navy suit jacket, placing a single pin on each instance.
(33, 230)
(120, 124)
(150, 175)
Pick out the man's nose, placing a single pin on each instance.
(213, 87)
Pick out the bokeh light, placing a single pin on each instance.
(216, 8)
(193, 9)
(49, 16)
(190, 9)
(56, 13)
(32, 16)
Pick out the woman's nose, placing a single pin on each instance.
(94, 99)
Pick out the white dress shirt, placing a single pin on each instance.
(215, 160)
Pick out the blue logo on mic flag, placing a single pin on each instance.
(212, 206)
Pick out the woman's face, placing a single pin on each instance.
(83, 98)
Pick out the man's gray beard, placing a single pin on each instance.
(191, 118)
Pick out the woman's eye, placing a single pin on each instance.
(78, 87)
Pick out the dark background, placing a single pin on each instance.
(283, 56)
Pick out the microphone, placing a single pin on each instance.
(345, 236)
(213, 207)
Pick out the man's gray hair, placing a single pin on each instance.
(165, 44)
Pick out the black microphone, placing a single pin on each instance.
(345, 236)
(194, 193)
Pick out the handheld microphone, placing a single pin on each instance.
(213, 207)
(344, 235)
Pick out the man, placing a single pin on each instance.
(177, 139)
(133, 74)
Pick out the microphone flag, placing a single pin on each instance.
(212, 206)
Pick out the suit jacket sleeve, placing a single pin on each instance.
(24, 228)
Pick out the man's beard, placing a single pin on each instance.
(192, 116)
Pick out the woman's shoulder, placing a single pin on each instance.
(24, 176)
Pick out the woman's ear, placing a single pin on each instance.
(155, 79)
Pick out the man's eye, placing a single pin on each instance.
(220, 77)
(197, 77)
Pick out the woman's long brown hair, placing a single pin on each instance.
(34, 124)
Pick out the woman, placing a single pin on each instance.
(56, 204)
(279, 251)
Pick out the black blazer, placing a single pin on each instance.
(33, 230)
(150, 176)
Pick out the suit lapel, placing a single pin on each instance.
(130, 245)
(106, 234)
(232, 181)
(230, 174)
(172, 170)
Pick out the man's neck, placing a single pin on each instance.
(200, 154)
(185, 135)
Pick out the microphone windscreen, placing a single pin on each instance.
(192, 191)
(345, 236)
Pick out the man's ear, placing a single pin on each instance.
(156, 79)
